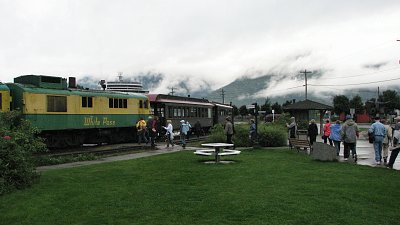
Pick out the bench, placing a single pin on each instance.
(299, 143)
(209, 152)
(205, 152)
(229, 152)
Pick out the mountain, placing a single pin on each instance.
(242, 92)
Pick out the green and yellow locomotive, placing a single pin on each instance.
(68, 116)
(4, 98)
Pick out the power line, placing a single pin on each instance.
(334, 85)
(362, 74)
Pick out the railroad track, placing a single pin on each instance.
(112, 149)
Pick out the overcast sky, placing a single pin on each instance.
(204, 41)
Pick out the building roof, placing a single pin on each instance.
(307, 105)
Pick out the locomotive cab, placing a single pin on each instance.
(5, 98)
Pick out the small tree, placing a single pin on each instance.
(357, 104)
(243, 110)
(341, 104)
(18, 141)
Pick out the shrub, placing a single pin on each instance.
(217, 134)
(272, 135)
(18, 141)
(269, 135)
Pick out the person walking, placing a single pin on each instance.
(183, 131)
(379, 132)
(229, 131)
(312, 132)
(396, 147)
(335, 136)
(197, 128)
(386, 140)
(169, 135)
(349, 134)
(188, 132)
(154, 131)
(327, 132)
(252, 132)
(141, 130)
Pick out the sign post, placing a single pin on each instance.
(273, 115)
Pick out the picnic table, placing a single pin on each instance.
(218, 151)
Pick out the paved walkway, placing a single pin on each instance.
(365, 152)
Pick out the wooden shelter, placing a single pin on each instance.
(300, 110)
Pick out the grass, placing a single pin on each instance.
(263, 187)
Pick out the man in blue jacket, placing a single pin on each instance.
(379, 132)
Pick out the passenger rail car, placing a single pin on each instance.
(177, 108)
(67, 116)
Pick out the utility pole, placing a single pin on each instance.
(305, 79)
(223, 96)
(172, 91)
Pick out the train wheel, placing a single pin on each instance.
(73, 140)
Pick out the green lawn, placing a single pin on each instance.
(262, 187)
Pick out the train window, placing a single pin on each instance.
(140, 104)
(84, 101)
(1, 101)
(117, 103)
(146, 104)
(161, 112)
(90, 102)
(87, 102)
(110, 103)
(192, 112)
(56, 104)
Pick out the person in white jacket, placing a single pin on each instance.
(169, 134)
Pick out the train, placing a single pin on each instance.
(192, 110)
(67, 116)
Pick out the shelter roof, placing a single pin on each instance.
(307, 105)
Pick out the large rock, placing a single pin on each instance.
(323, 152)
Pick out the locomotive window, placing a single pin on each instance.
(56, 104)
(87, 102)
(146, 104)
(84, 101)
(117, 103)
(90, 102)
(140, 104)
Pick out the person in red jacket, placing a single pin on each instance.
(327, 132)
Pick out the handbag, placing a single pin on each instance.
(371, 137)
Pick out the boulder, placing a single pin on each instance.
(323, 152)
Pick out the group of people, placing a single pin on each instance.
(335, 133)
(149, 131)
(381, 135)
